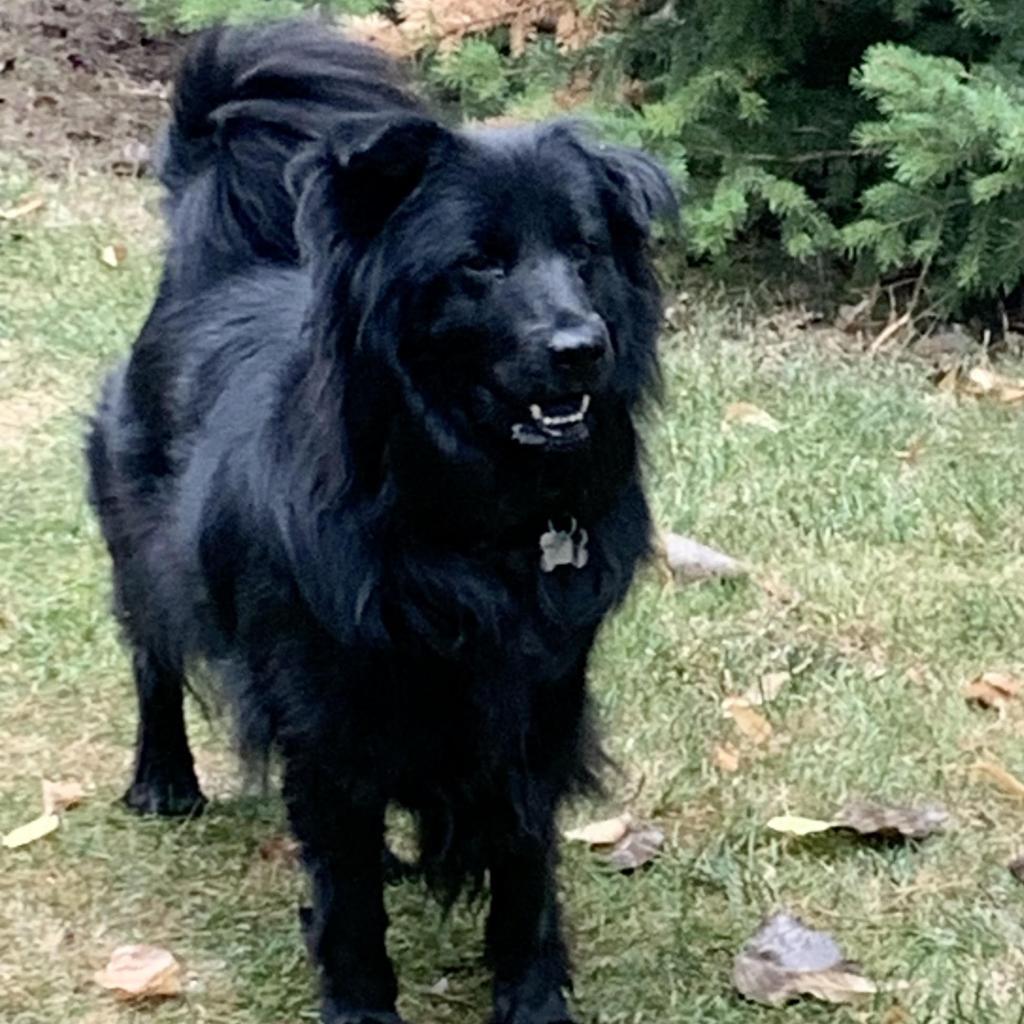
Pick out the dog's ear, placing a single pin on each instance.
(642, 187)
(635, 185)
(360, 174)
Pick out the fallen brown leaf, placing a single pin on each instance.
(114, 255)
(61, 796)
(868, 818)
(749, 415)
(280, 849)
(896, 1015)
(750, 722)
(992, 690)
(29, 833)
(602, 833)
(785, 959)
(689, 561)
(141, 972)
(996, 773)
(23, 209)
(639, 846)
(726, 757)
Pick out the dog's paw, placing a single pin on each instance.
(519, 1007)
(395, 868)
(165, 798)
(362, 1017)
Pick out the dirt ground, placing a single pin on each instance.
(82, 85)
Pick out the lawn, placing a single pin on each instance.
(884, 523)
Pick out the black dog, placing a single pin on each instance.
(373, 458)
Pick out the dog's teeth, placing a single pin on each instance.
(536, 413)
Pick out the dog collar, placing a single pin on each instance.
(563, 547)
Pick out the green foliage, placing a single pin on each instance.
(475, 73)
(953, 145)
(885, 135)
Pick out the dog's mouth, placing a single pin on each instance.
(557, 422)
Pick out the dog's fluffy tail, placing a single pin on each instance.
(245, 101)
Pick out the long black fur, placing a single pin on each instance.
(319, 474)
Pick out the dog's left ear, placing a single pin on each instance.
(362, 172)
(637, 186)
(381, 166)
(645, 191)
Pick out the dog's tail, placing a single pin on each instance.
(245, 101)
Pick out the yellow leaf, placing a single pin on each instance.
(41, 826)
(750, 722)
(60, 796)
(835, 986)
(114, 255)
(1005, 780)
(726, 757)
(749, 415)
(602, 833)
(794, 825)
(141, 972)
(982, 381)
(992, 689)
(23, 209)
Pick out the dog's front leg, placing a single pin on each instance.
(341, 841)
(524, 938)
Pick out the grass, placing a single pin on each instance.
(885, 582)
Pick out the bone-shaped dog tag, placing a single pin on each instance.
(561, 547)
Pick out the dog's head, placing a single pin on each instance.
(498, 277)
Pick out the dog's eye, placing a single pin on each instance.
(482, 265)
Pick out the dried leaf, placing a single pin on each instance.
(726, 757)
(114, 255)
(602, 833)
(981, 381)
(875, 819)
(23, 209)
(997, 774)
(36, 829)
(794, 825)
(141, 972)
(785, 959)
(767, 689)
(896, 1015)
(868, 818)
(639, 846)
(992, 690)
(749, 415)
(280, 849)
(750, 722)
(61, 796)
(689, 560)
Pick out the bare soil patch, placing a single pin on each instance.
(82, 85)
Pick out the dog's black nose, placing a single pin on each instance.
(579, 347)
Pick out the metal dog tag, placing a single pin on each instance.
(559, 547)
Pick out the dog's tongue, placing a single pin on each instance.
(566, 407)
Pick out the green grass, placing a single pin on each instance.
(888, 584)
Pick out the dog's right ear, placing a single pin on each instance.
(355, 179)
